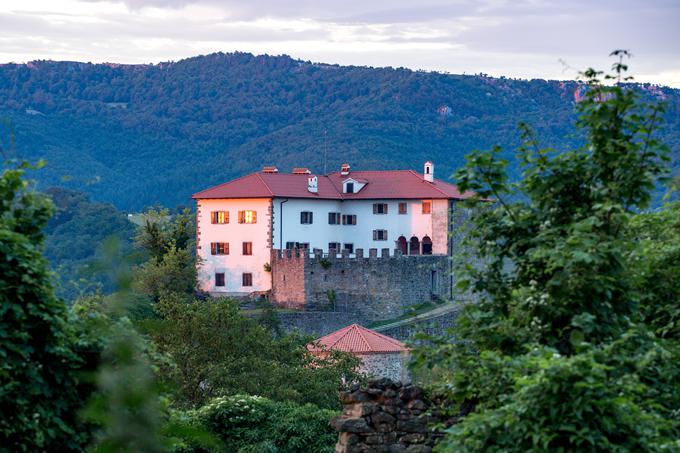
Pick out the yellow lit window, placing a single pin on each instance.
(247, 217)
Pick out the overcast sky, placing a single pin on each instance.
(515, 38)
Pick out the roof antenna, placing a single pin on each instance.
(325, 155)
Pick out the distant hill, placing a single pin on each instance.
(76, 242)
(137, 135)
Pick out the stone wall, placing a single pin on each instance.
(434, 326)
(374, 287)
(386, 417)
(317, 323)
(392, 365)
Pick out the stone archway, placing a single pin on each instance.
(402, 245)
(427, 245)
(414, 246)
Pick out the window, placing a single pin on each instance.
(334, 218)
(379, 208)
(306, 217)
(247, 279)
(247, 248)
(219, 279)
(247, 217)
(334, 245)
(219, 217)
(349, 187)
(402, 208)
(427, 207)
(379, 235)
(427, 245)
(219, 248)
(348, 247)
(349, 219)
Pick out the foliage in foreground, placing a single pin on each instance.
(40, 389)
(246, 423)
(571, 346)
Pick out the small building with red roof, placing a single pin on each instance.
(241, 224)
(381, 356)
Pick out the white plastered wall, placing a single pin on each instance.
(234, 233)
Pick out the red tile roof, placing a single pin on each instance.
(387, 184)
(358, 340)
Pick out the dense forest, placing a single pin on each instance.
(137, 135)
(76, 242)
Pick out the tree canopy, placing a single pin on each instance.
(568, 348)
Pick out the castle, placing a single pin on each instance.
(371, 241)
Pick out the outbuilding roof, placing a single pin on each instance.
(357, 340)
(386, 184)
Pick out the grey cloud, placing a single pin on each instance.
(521, 37)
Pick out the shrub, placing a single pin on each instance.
(248, 423)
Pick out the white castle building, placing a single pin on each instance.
(240, 222)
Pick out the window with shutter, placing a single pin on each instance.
(349, 219)
(402, 208)
(379, 208)
(219, 279)
(427, 207)
(219, 217)
(247, 279)
(247, 248)
(306, 217)
(247, 216)
(379, 235)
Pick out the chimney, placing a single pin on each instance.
(344, 169)
(301, 171)
(313, 184)
(428, 173)
(270, 170)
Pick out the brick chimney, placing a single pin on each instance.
(428, 172)
(344, 169)
(301, 171)
(270, 170)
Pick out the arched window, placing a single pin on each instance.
(414, 246)
(427, 246)
(402, 245)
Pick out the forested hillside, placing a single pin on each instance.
(76, 243)
(137, 135)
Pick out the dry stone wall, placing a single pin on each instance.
(385, 417)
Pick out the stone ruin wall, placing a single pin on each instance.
(374, 287)
(385, 417)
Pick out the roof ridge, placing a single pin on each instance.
(394, 341)
(265, 183)
(359, 330)
(340, 337)
(434, 186)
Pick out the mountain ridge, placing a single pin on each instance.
(137, 135)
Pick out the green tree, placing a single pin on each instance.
(549, 357)
(655, 263)
(169, 242)
(40, 393)
(218, 351)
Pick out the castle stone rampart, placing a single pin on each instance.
(381, 284)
